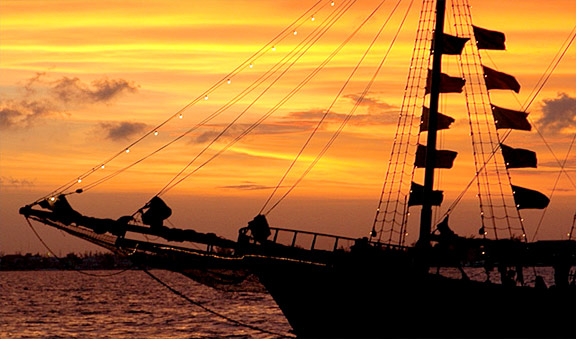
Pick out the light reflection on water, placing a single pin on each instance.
(66, 304)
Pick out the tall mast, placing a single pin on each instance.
(426, 214)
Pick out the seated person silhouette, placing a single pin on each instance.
(157, 212)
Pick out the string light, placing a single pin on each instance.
(155, 132)
(79, 180)
(273, 48)
(229, 81)
(332, 3)
(295, 32)
(312, 18)
(206, 98)
(102, 166)
(127, 150)
(251, 65)
(52, 198)
(180, 116)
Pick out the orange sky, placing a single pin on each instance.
(80, 80)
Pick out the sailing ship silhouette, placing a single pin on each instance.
(380, 286)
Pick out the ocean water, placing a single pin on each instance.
(67, 304)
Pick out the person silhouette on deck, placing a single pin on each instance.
(157, 212)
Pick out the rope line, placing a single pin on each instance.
(279, 37)
(248, 130)
(392, 197)
(554, 187)
(350, 114)
(303, 48)
(561, 53)
(65, 263)
(218, 314)
(329, 109)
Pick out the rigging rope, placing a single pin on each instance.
(348, 116)
(236, 322)
(392, 206)
(248, 130)
(303, 47)
(548, 73)
(67, 264)
(325, 25)
(554, 187)
(279, 37)
(218, 314)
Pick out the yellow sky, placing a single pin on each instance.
(80, 80)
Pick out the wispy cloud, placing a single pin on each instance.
(375, 106)
(24, 112)
(44, 98)
(73, 90)
(248, 186)
(12, 182)
(272, 128)
(377, 113)
(119, 131)
(558, 113)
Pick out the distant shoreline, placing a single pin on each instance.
(69, 262)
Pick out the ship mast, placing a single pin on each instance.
(426, 214)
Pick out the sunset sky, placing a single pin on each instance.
(81, 80)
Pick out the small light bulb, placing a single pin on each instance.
(180, 116)
(102, 166)
(251, 65)
(313, 18)
(79, 180)
(52, 198)
(295, 32)
(229, 81)
(273, 48)
(127, 150)
(206, 98)
(155, 132)
(332, 3)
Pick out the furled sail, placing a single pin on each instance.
(417, 196)
(444, 121)
(518, 157)
(500, 80)
(448, 84)
(487, 39)
(507, 118)
(444, 159)
(527, 198)
(453, 45)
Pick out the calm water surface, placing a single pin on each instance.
(67, 304)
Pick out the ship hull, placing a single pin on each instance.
(354, 301)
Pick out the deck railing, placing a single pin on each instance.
(319, 241)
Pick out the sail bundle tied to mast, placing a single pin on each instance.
(448, 84)
(507, 118)
(487, 39)
(518, 157)
(444, 159)
(453, 45)
(444, 121)
(500, 80)
(417, 196)
(527, 198)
